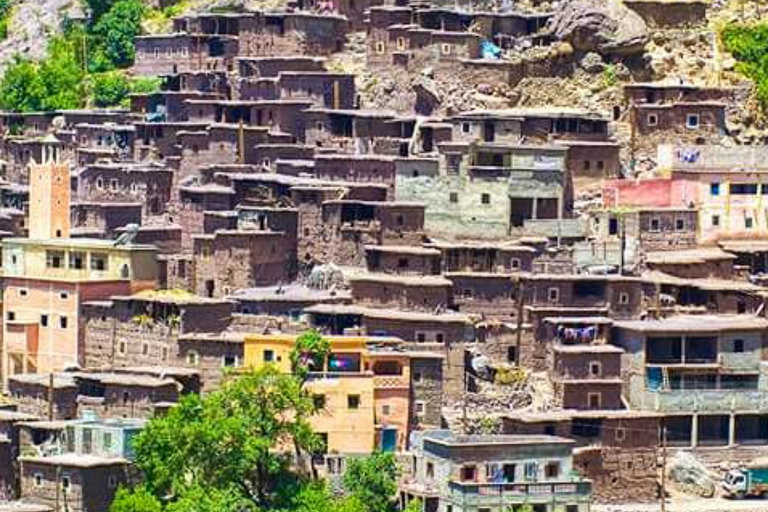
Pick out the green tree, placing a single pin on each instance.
(373, 481)
(110, 89)
(116, 32)
(228, 440)
(207, 499)
(749, 46)
(21, 89)
(135, 500)
(146, 84)
(98, 8)
(308, 353)
(62, 76)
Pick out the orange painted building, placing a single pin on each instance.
(49, 275)
(364, 387)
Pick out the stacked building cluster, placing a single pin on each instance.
(148, 251)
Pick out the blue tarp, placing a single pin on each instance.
(654, 377)
(489, 50)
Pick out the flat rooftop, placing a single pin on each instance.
(696, 323)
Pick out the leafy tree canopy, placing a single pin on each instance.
(749, 46)
(231, 452)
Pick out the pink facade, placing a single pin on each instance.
(657, 192)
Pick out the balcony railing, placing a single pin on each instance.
(479, 494)
(390, 382)
(705, 400)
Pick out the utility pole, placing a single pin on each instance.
(663, 469)
(50, 396)
(623, 244)
(520, 311)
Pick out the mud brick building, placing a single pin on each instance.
(9, 451)
(227, 260)
(688, 114)
(104, 218)
(617, 450)
(415, 293)
(587, 376)
(110, 395)
(166, 54)
(142, 329)
(285, 300)
(79, 483)
(147, 184)
(403, 259)
(172, 330)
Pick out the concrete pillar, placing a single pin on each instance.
(534, 208)
(732, 430)
(694, 430)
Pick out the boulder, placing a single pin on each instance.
(592, 63)
(603, 26)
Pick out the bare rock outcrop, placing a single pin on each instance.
(603, 26)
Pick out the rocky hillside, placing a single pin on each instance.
(31, 22)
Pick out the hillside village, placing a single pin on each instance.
(520, 248)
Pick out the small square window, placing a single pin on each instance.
(385, 409)
(485, 198)
(468, 473)
(269, 356)
(23, 292)
(692, 121)
(446, 49)
(466, 127)
(679, 224)
(353, 401)
(652, 120)
(748, 222)
(655, 226)
(552, 469)
(318, 401)
(401, 43)
(714, 189)
(64, 295)
(595, 369)
(380, 47)
(229, 361)
(39, 480)
(65, 482)
(419, 407)
(193, 358)
(63, 322)
(738, 346)
(623, 298)
(553, 294)
(514, 263)
(715, 221)
(43, 320)
(621, 434)
(453, 197)
(594, 400)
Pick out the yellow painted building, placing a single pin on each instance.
(365, 392)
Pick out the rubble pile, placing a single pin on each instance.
(690, 476)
